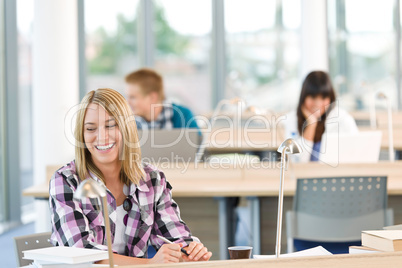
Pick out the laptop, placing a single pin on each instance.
(361, 147)
(177, 145)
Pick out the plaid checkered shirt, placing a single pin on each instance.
(81, 223)
(163, 121)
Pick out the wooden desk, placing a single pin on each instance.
(262, 179)
(393, 259)
(363, 117)
(397, 137)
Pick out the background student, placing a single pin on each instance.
(139, 196)
(317, 113)
(146, 96)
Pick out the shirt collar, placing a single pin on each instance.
(92, 176)
(142, 186)
(166, 113)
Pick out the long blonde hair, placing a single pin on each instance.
(130, 155)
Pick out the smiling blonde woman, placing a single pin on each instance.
(139, 196)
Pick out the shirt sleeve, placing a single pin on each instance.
(307, 147)
(139, 122)
(184, 117)
(190, 120)
(70, 226)
(167, 218)
(348, 125)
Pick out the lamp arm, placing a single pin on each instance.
(108, 233)
(390, 133)
(204, 143)
(373, 118)
(280, 203)
(217, 110)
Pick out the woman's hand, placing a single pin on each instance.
(311, 118)
(168, 253)
(308, 131)
(197, 252)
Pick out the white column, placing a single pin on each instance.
(55, 89)
(314, 37)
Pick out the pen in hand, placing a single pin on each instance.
(170, 242)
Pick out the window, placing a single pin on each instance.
(398, 75)
(362, 50)
(263, 51)
(182, 53)
(3, 199)
(111, 42)
(25, 12)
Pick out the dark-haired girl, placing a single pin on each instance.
(317, 113)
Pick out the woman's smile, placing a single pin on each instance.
(105, 148)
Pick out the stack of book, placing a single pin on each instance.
(63, 257)
(387, 240)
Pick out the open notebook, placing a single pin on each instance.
(361, 147)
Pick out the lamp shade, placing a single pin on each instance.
(381, 95)
(89, 188)
(292, 146)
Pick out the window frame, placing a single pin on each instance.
(11, 168)
(3, 193)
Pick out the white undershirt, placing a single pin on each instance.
(119, 244)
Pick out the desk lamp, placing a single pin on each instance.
(289, 146)
(216, 112)
(382, 96)
(91, 189)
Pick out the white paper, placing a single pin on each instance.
(317, 251)
(393, 227)
(66, 255)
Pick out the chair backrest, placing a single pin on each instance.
(27, 242)
(339, 208)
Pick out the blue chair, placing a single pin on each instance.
(333, 211)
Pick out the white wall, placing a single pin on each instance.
(314, 37)
(55, 88)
